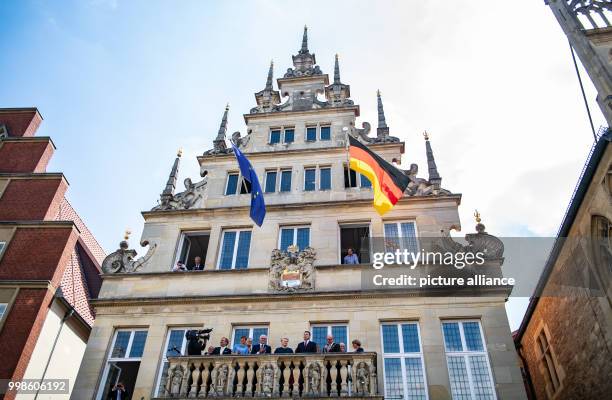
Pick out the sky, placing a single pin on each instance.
(122, 85)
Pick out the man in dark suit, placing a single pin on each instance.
(331, 346)
(119, 392)
(306, 346)
(197, 264)
(262, 347)
(284, 347)
(222, 349)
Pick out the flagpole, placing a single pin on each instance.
(348, 160)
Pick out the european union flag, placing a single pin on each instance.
(258, 207)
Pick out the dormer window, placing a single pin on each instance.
(275, 136)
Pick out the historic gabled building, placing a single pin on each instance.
(288, 275)
(49, 262)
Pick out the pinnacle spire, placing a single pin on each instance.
(270, 76)
(382, 122)
(219, 142)
(304, 49)
(171, 184)
(336, 71)
(434, 177)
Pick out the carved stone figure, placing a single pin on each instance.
(122, 260)
(267, 382)
(363, 379)
(221, 381)
(192, 195)
(314, 376)
(175, 381)
(291, 271)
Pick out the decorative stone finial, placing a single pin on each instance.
(425, 135)
(434, 177)
(179, 152)
(383, 129)
(270, 75)
(304, 49)
(336, 71)
(480, 228)
(126, 235)
(168, 192)
(219, 142)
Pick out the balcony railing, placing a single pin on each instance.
(272, 375)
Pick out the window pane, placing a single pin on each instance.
(270, 182)
(350, 178)
(232, 184)
(303, 238)
(286, 238)
(175, 340)
(325, 178)
(311, 134)
(275, 137)
(285, 185)
(319, 334)
(242, 254)
(390, 339)
(138, 343)
(460, 386)
(257, 332)
(227, 250)
(309, 179)
(238, 333)
(121, 342)
(452, 337)
(339, 332)
(483, 387)
(394, 387)
(365, 182)
(415, 381)
(245, 187)
(391, 237)
(409, 237)
(410, 335)
(2, 309)
(289, 135)
(473, 341)
(325, 133)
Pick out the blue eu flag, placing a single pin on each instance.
(258, 207)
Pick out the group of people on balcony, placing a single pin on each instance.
(245, 347)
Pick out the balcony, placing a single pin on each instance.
(272, 375)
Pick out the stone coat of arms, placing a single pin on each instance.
(292, 270)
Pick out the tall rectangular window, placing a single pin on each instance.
(271, 181)
(311, 133)
(2, 309)
(275, 136)
(402, 236)
(253, 332)
(192, 245)
(326, 133)
(365, 182)
(546, 360)
(2, 244)
(310, 176)
(325, 173)
(285, 183)
(289, 135)
(338, 331)
(403, 363)
(299, 236)
(175, 345)
(353, 179)
(232, 184)
(235, 248)
(123, 361)
(468, 364)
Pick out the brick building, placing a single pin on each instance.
(49, 260)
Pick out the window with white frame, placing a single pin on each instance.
(311, 133)
(294, 235)
(175, 345)
(338, 331)
(288, 135)
(353, 179)
(401, 235)
(284, 135)
(403, 362)
(253, 332)
(325, 132)
(320, 180)
(123, 361)
(546, 360)
(236, 184)
(467, 360)
(278, 180)
(275, 136)
(235, 249)
(191, 245)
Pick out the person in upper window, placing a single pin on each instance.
(179, 267)
(241, 348)
(350, 257)
(307, 346)
(284, 347)
(342, 348)
(262, 347)
(331, 346)
(357, 346)
(119, 392)
(249, 344)
(222, 349)
(197, 264)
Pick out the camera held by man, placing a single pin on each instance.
(196, 341)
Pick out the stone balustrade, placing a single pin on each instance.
(272, 375)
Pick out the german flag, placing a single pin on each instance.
(388, 182)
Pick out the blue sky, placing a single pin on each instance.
(123, 84)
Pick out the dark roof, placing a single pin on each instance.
(597, 152)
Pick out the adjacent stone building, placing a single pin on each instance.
(288, 275)
(49, 261)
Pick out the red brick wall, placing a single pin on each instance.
(21, 122)
(577, 330)
(25, 156)
(32, 199)
(75, 289)
(67, 213)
